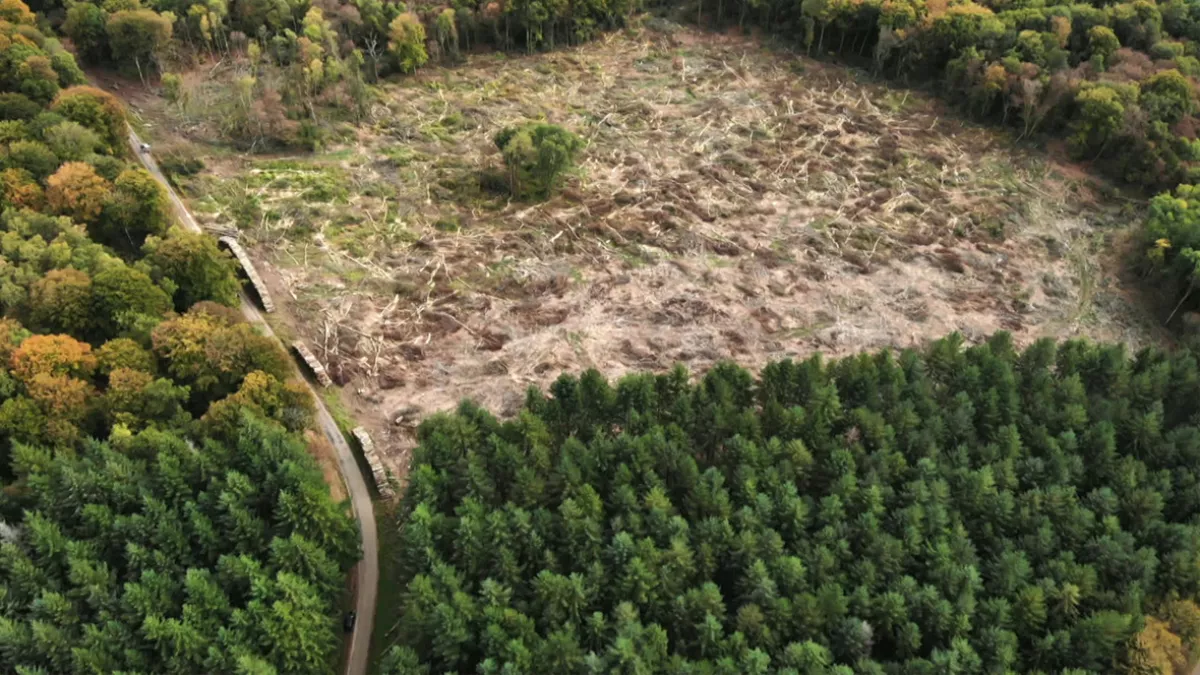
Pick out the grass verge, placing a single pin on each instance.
(387, 614)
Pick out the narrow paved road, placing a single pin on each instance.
(367, 582)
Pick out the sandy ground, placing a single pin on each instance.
(732, 203)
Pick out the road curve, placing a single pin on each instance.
(366, 584)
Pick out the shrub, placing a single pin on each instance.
(180, 164)
(536, 155)
(1167, 96)
(172, 86)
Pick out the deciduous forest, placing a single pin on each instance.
(159, 511)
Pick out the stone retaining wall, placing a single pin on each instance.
(314, 364)
(377, 470)
(252, 274)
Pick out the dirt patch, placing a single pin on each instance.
(326, 456)
(732, 203)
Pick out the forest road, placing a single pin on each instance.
(367, 582)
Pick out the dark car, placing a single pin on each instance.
(348, 622)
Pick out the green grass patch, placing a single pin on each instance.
(346, 423)
(337, 410)
(387, 614)
(321, 184)
(401, 156)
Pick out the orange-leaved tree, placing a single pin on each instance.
(19, 190)
(52, 355)
(76, 190)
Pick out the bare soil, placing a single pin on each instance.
(326, 456)
(732, 203)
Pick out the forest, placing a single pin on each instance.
(951, 509)
(159, 510)
(956, 509)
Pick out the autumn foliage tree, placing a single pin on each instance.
(288, 403)
(17, 12)
(213, 355)
(52, 355)
(76, 190)
(19, 189)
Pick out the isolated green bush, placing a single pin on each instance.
(536, 155)
(180, 164)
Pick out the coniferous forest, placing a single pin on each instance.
(955, 510)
